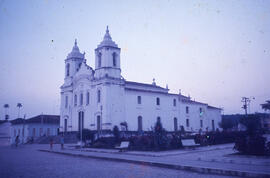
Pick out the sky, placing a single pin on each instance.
(216, 51)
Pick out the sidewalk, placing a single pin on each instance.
(218, 159)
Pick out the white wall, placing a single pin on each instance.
(119, 104)
(149, 110)
(17, 130)
(213, 114)
(5, 133)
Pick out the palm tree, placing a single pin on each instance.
(6, 106)
(266, 106)
(19, 105)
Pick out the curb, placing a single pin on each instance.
(149, 155)
(204, 170)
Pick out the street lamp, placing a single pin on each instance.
(101, 118)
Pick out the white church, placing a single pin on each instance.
(100, 98)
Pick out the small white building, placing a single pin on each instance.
(35, 127)
(100, 98)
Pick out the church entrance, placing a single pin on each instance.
(81, 121)
(140, 123)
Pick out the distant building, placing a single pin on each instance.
(41, 125)
(5, 133)
(100, 98)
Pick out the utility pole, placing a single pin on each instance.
(42, 125)
(101, 108)
(81, 124)
(23, 128)
(245, 102)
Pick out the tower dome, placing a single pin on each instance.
(75, 53)
(107, 40)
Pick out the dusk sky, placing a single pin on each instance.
(215, 51)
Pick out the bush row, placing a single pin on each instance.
(214, 138)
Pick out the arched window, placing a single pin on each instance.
(98, 96)
(158, 101)
(201, 112)
(48, 131)
(75, 100)
(79, 66)
(187, 109)
(114, 59)
(139, 99)
(174, 102)
(140, 123)
(81, 99)
(99, 59)
(213, 125)
(87, 98)
(66, 101)
(68, 66)
(40, 131)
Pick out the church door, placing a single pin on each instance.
(175, 124)
(81, 121)
(65, 127)
(140, 123)
(98, 123)
(213, 125)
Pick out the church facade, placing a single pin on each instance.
(99, 98)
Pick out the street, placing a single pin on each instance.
(26, 161)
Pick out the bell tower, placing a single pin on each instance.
(73, 62)
(107, 58)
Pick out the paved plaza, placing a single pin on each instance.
(38, 160)
(217, 159)
(27, 161)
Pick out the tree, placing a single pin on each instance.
(125, 125)
(158, 127)
(266, 106)
(116, 133)
(86, 135)
(182, 130)
(6, 106)
(160, 137)
(19, 105)
(252, 122)
(228, 123)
